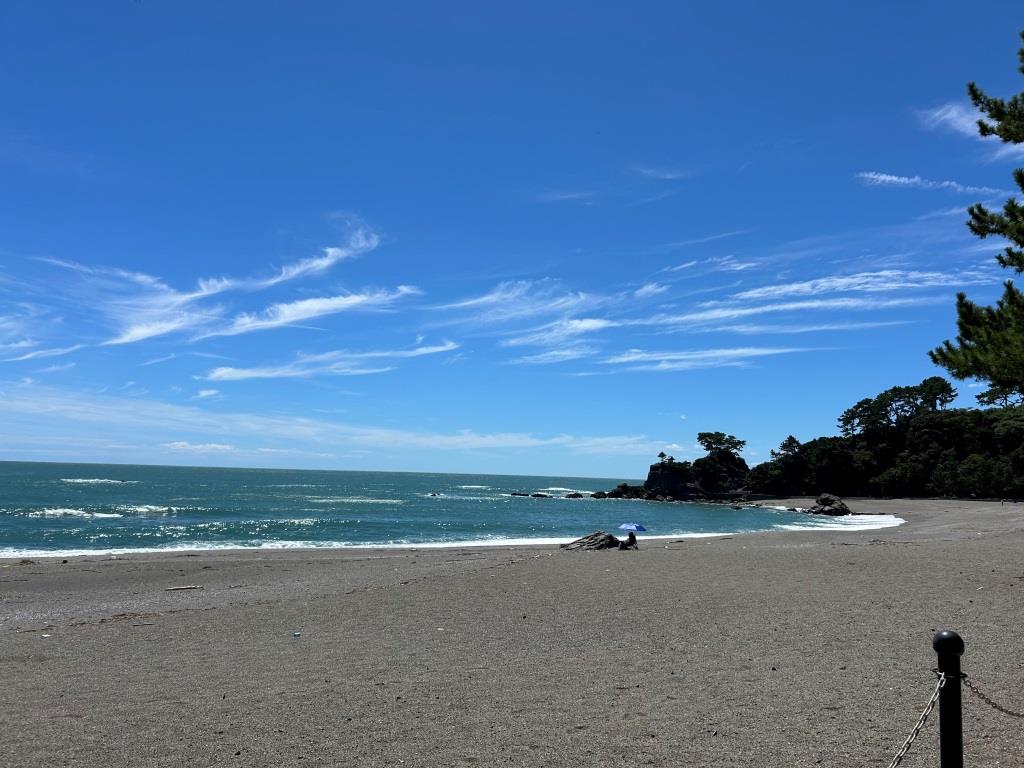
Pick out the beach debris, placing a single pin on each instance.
(829, 504)
(296, 634)
(186, 586)
(595, 541)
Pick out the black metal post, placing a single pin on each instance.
(949, 647)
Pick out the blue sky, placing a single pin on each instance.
(480, 237)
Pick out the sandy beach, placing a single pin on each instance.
(793, 649)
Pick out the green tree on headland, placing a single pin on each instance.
(723, 469)
(713, 442)
(990, 339)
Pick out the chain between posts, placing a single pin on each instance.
(898, 758)
(998, 707)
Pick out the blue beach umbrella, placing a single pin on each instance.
(631, 527)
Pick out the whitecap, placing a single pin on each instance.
(350, 500)
(474, 487)
(66, 512)
(97, 481)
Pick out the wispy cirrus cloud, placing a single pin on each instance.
(660, 172)
(649, 289)
(54, 352)
(699, 240)
(584, 196)
(184, 445)
(522, 299)
(561, 331)
(691, 359)
(291, 313)
(552, 356)
(886, 280)
(879, 179)
(702, 317)
(58, 368)
(963, 118)
(334, 363)
(141, 306)
(766, 329)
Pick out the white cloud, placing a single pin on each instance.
(205, 393)
(568, 196)
(681, 267)
(20, 344)
(768, 328)
(649, 289)
(278, 315)
(878, 179)
(59, 407)
(181, 445)
(555, 356)
(963, 119)
(519, 299)
(161, 359)
(694, 358)
(45, 353)
(361, 241)
(335, 363)
(142, 306)
(729, 264)
(660, 172)
(561, 331)
(700, 240)
(868, 282)
(56, 368)
(716, 314)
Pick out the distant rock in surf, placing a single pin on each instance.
(828, 504)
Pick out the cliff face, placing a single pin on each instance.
(672, 478)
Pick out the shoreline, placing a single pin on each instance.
(858, 522)
(774, 649)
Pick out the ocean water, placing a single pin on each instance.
(69, 509)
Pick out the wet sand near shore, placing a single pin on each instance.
(786, 649)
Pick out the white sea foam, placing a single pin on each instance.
(845, 523)
(566, 490)
(474, 487)
(147, 509)
(97, 481)
(66, 512)
(350, 500)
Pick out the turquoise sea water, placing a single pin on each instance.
(63, 509)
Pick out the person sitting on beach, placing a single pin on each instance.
(629, 543)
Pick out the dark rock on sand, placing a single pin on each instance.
(599, 540)
(827, 504)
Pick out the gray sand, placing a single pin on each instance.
(778, 650)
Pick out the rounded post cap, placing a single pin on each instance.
(948, 641)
